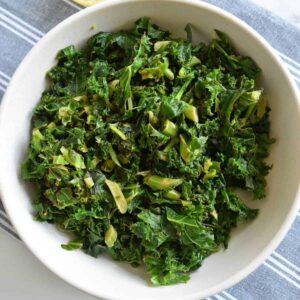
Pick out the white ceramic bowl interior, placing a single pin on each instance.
(249, 245)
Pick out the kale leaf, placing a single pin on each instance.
(140, 143)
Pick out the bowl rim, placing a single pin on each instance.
(258, 260)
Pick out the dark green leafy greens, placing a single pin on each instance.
(140, 143)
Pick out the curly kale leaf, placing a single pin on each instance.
(140, 144)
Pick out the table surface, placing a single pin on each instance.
(22, 276)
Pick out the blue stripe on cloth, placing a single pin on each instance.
(4, 217)
(8, 230)
(12, 51)
(290, 246)
(265, 284)
(279, 277)
(1, 206)
(46, 14)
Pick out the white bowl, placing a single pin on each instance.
(250, 244)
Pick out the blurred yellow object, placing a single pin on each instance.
(87, 3)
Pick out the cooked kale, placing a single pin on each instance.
(141, 142)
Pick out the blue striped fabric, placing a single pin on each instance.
(278, 278)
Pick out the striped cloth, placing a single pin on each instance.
(24, 22)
